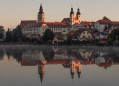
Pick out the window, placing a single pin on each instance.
(87, 32)
(83, 36)
(88, 36)
(54, 28)
(83, 32)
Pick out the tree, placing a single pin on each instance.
(109, 25)
(48, 35)
(8, 36)
(105, 28)
(1, 32)
(95, 31)
(114, 33)
(1, 29)
(69, 41)
(110, 41)
(112, 36)
(105, 18)
(17, 34)
(1, 35)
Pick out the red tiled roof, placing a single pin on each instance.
(85, 23)
(60, 38)
(71, 35)
(57, 24)
(115, 22)
(87, 63)
(59, 61)
(24, 23)
(104, 21)
(33, 25)
(75, 18)
(49, 24)
(105, 64)
(76, 24)
(66, 19)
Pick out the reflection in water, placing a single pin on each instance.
(72, 58)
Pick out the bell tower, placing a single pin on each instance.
(72, 17)
(78, 15)
(41, 16)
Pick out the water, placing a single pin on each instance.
(59, 66)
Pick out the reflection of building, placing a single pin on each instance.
(103, 62)
(41, 70)
(75, 65)
(68, 58)
(86, 54)
(33, 55)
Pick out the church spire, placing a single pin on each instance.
(41, 9)
(72, 12)
(78, 12)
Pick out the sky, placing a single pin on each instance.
(13, 11)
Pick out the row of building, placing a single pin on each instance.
(73, 26)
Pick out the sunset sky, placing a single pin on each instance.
(13, 11)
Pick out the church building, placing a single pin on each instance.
(36, 28)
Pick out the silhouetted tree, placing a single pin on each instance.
(1, 32)
(68, 41)
(17, 34)
(95, 31)
(8, 36)
(105, 28)
(48, 35)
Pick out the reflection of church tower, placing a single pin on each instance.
(41, 16)
(75, 65)
(41, 70)
(72, 68)
(79, 70)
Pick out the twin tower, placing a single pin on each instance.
(72, 20)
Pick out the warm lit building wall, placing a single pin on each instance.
(85, 36)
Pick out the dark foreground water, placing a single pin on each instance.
(59, 66)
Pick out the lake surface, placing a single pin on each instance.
(59, 66)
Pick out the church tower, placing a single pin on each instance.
(72, 17)
(78, 15)
(41, 16)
